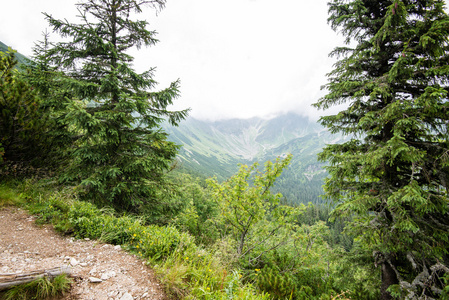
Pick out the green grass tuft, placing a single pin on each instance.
(41, 288)
(9, 197)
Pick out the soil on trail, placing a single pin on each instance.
(25, 247)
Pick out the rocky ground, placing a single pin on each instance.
(100, 271)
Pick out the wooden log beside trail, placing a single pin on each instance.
(9, 280)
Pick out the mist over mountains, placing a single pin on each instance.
(216, 148)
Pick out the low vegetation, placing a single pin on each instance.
(200, 256)
(38, 289)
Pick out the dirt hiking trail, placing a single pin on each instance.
(25, 247)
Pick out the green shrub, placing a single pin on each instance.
(280, 286)
(88, 221)
(158, 242)
(445, 292)
(49, 209)
(153, 242)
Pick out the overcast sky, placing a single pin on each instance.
(235, 58)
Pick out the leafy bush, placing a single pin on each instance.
(445, 292)
(159, 242)
(49, 208)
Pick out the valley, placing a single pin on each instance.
(216, 148)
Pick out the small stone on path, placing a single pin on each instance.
(107, 275)
(95, 280)
(127, 296)
(73, 262)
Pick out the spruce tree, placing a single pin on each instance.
(31, 107)
(22, 122)
(392, 175)
(56, 96)
(120, 153)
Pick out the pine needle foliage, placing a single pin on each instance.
(120, 153)
(393, 174)
(56, 95)
(22, 122)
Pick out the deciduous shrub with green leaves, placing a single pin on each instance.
(200, 211)
(245, 200)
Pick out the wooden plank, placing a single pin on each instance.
(12, 279)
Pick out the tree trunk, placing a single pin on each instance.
(9, 280)
(388, 278)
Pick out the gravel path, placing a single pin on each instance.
(25, 247)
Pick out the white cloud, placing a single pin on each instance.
(245, 58)
(235, 58)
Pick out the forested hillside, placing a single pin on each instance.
(216, 148)
(91, 145)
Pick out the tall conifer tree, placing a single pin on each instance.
(393, 173)
(120, 152)
(20, 125)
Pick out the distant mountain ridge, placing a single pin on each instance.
(215, 148)
(22, 59)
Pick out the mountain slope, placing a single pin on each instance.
(216, 149)
(20, 58)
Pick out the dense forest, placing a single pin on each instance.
(81, 142)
